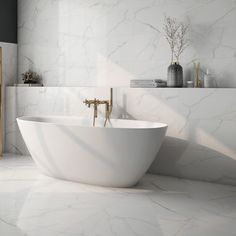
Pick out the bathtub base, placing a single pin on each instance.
(69, 149)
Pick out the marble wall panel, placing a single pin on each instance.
(109, 42)
(200, 141)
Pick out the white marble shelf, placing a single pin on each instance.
(93, 87)
(35, 205)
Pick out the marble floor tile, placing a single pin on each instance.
(37, 205)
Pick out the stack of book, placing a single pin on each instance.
(151, 83)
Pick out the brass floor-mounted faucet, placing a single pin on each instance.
(96, 102)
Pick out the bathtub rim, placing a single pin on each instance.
(145, 125)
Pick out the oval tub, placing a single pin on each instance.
(69, 148)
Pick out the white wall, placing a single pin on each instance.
(108, 42)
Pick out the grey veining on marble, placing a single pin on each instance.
(36, 205)
(107, 43)
(200, 142)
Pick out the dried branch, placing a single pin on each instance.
(175, 34)
(181, 40)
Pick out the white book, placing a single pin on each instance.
(163, 84)
(146, 80)
(28, 85)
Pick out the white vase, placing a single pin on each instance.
(209, 81)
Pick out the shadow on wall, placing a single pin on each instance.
(199, 143)
(181, 158)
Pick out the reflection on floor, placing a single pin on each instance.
(33, 204)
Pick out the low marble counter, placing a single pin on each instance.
(35, 205)
(200, 142)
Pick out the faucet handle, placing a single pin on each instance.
(86, 102)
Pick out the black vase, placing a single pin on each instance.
(175, 75)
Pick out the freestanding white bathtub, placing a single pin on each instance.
(69, 148)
